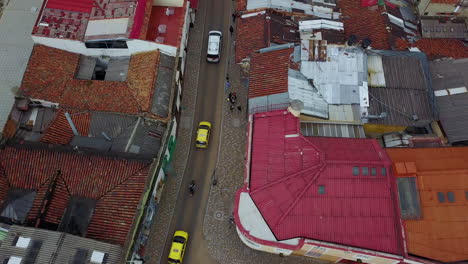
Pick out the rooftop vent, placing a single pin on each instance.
(98, 257)
(351, 40)
(14, 260)
(23, 242)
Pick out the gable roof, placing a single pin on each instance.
(305, 187)
(115, 184)
(440, 233)
(449, 77)
(51, 72)
(269, 73)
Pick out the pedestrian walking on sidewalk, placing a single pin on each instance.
(231, 29)
(234, 17)
(239, 108)
(231, 107)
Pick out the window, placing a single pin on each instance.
(107, 44)
(451, 197)
(384, 172)
(365, 171)
(441, 197)
(355, 171)
(409, 198)
(374, 171)
(321, 189)
(466, 195)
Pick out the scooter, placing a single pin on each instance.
(192, 188)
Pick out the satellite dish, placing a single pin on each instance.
(297, 105)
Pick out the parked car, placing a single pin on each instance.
(179, 242)
(203, 134)
(214, 46)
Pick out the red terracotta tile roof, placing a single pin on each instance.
(250, 36)
(269, 73)
(289, 170)
(363, 22)
(437, 48)
(116, 184)
(60, 132)
(50, 74)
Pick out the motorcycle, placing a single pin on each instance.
(192, 188)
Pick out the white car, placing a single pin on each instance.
(214, 46)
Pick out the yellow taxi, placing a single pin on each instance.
(203, 134)
(176, 255)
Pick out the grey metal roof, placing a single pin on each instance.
(163, 85)
(17, 205)
(453, 109)
(299, 6)
(15, 49)
(432, 28)
(328, 129)
(265, 103)
(341, 78)
(406, 97)
(54, 247)
(299, 88)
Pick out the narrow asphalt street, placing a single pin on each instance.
(205, 216)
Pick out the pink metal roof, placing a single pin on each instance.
(83, 6)
(69, 19)
(288, 168)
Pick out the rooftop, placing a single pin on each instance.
(110, 19)
(438, 178)
(399, 86)
(45, 246)
(87, 19)
(437, 48)
(269, 73)
(164, 28)
(318, 188)
(16, 46)
(450, 87)
(262, 29)
(51, 76)
(94, 196)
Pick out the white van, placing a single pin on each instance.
(214, 46)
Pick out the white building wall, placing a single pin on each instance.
(75, 46)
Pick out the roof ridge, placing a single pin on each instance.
(123, 181)
(306, 187)
(285, 178)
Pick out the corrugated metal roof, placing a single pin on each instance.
(15, 48)
(299, 88)
(453, 109)
(441, 232)
(376, 77)
(406, 98)
(55, 247)
(326, 129)
(432, 28)
(287, 170)
(162, 86)
(309, 8)
(340, 77)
